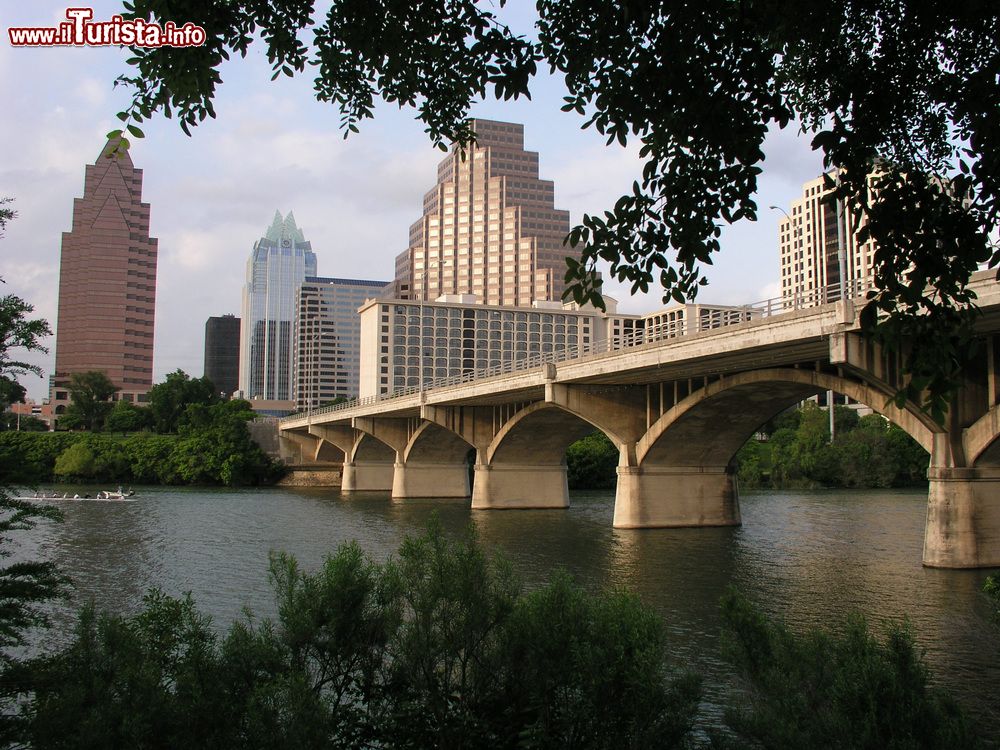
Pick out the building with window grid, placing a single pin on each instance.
(107, 284)
(222, 353)
(328, 338)
(281, 260)
(807, 242)
(489, 227)
(458, 337)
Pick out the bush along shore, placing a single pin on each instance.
(792, 451)
(212, 447)
(442, 646)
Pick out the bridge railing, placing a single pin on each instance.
(705, 318)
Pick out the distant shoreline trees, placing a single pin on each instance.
(867, 452)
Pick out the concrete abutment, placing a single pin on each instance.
(963, 518)
(519, 486)
(412, 480)
(663, 497)
(367, 476)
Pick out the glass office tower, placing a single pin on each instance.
(279, 263)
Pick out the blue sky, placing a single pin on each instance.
(274, 147)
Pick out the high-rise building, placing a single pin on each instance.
(808, 240)
(107, 283)
(222, 353)
(279, 263)
(328, 338)
(489, 226)
(457, 337)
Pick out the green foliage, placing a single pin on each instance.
(750, 464)
(867, 452)
(903, 90)
(169, 400)
(76, 462)
(147, 681)
(844, 690)
(439, 648)
(25, 423)
(18, 332)
(28, 458)
(26, 586)
(6, 214)
(218, 454)
(90, 393)
(992, 590)
(591, 463)
(126, 417)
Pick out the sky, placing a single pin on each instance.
(274, 147)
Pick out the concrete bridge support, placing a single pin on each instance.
(366, 476)
(672, 496)
(413, 480)
(963, 518)
(429, 461)
(510, 485)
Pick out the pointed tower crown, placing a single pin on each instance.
(284, 229)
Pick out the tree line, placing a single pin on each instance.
(185, 435)
(866, 452)
(792, 450)
(212, 446)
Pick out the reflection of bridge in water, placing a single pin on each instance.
(678, 409)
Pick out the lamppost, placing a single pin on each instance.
(420, 328)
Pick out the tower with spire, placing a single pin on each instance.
(107, 282)
(278, 265)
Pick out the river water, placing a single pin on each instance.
(807, 557)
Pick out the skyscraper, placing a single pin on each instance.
(808, 241)
(107, 282)
(328, 337)
(489, 226)
(279, 263)
(222, 353)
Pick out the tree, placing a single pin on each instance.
(23, 422)
(18, 332)
(25, 586)
(76, 462)
(437, 648)
(169, 400)
(591, 463)
(835, 690)
(90, 396)
(906, 91)
(126, 417)
(6, 214)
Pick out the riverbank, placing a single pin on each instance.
(804, 557)
(198, 457)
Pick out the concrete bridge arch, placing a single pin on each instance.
(524, 465)
(683, 475)
(710, 425)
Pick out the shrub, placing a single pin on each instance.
(836, 690)
(439, 648)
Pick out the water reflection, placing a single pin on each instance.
(808, 558)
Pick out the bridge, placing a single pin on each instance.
(678, 408)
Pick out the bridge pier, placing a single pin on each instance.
(651, 497)
(520, 486)
(367, 476)
(428, 480)
(963, 518)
